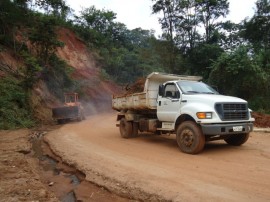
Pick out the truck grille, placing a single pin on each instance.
(232, 111)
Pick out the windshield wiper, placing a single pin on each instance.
(191, 91)
(208, 93)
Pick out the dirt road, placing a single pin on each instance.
(152, 167)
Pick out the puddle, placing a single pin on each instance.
(66, 182)
(62, 182)
(70, 197)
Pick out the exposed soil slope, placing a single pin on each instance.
(87, 71)
(261, 120)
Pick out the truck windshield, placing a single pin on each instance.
(190, 87)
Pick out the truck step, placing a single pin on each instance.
(165, 129)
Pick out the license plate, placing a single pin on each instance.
(238, 128)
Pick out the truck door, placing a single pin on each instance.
(168, 106)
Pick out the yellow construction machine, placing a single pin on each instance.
(71, 109)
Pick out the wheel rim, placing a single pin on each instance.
(187, 138)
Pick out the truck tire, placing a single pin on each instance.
(190, 138)
(60, 121)
(237, 139)
(125, 128)
(135, 129)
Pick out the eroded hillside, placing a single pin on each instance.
(95, 90)
(87, 71)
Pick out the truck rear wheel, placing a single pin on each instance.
(237, 139)
(135, 129)
(60, 121)
(190, 138)
(125, 128)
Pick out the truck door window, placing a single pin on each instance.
(171, 91)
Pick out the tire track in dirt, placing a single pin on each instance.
(152, 167)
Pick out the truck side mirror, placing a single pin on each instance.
(161, 90)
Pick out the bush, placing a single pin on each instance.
(58, 77)
(260, 104)
(14, 108)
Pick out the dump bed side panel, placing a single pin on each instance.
(136, 101)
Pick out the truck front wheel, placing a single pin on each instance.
(125, 128)
(190, 138)
(237, 139)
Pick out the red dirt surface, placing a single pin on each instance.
(261, 120)
(19, 172)
(147, 167)
(87, 72)
(151, 168)
(136, 87)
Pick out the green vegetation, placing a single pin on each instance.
(125, 54)
(233, 57)
(38, 63)
(14, 108)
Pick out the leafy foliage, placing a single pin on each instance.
(125, 54)
(209, 11)
(234, 57)
(14, 108)
(202, 57)
(239, 74)
(30, 70)
(58, 76)
(44, 37)
(40, 62)
(181, 22)
(56, 8)
(11, 15)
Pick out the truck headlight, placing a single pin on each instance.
(204, 115)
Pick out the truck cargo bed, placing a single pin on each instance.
(135, 101)
(148, 98)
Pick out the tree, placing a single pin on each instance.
(258, 28)
(12, 15)
(58, 8)
(238, 74)
(44, 38)
(230, 36)
(209, 11)
(169, 10)
(202, 57)
(257, 32)
(181, 21)
(125, 54)
(99, 23)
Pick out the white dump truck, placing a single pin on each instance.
(187, 107)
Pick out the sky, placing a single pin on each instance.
(138, 13)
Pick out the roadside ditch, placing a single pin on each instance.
(66, 182)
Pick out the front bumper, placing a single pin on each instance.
(226, 129)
